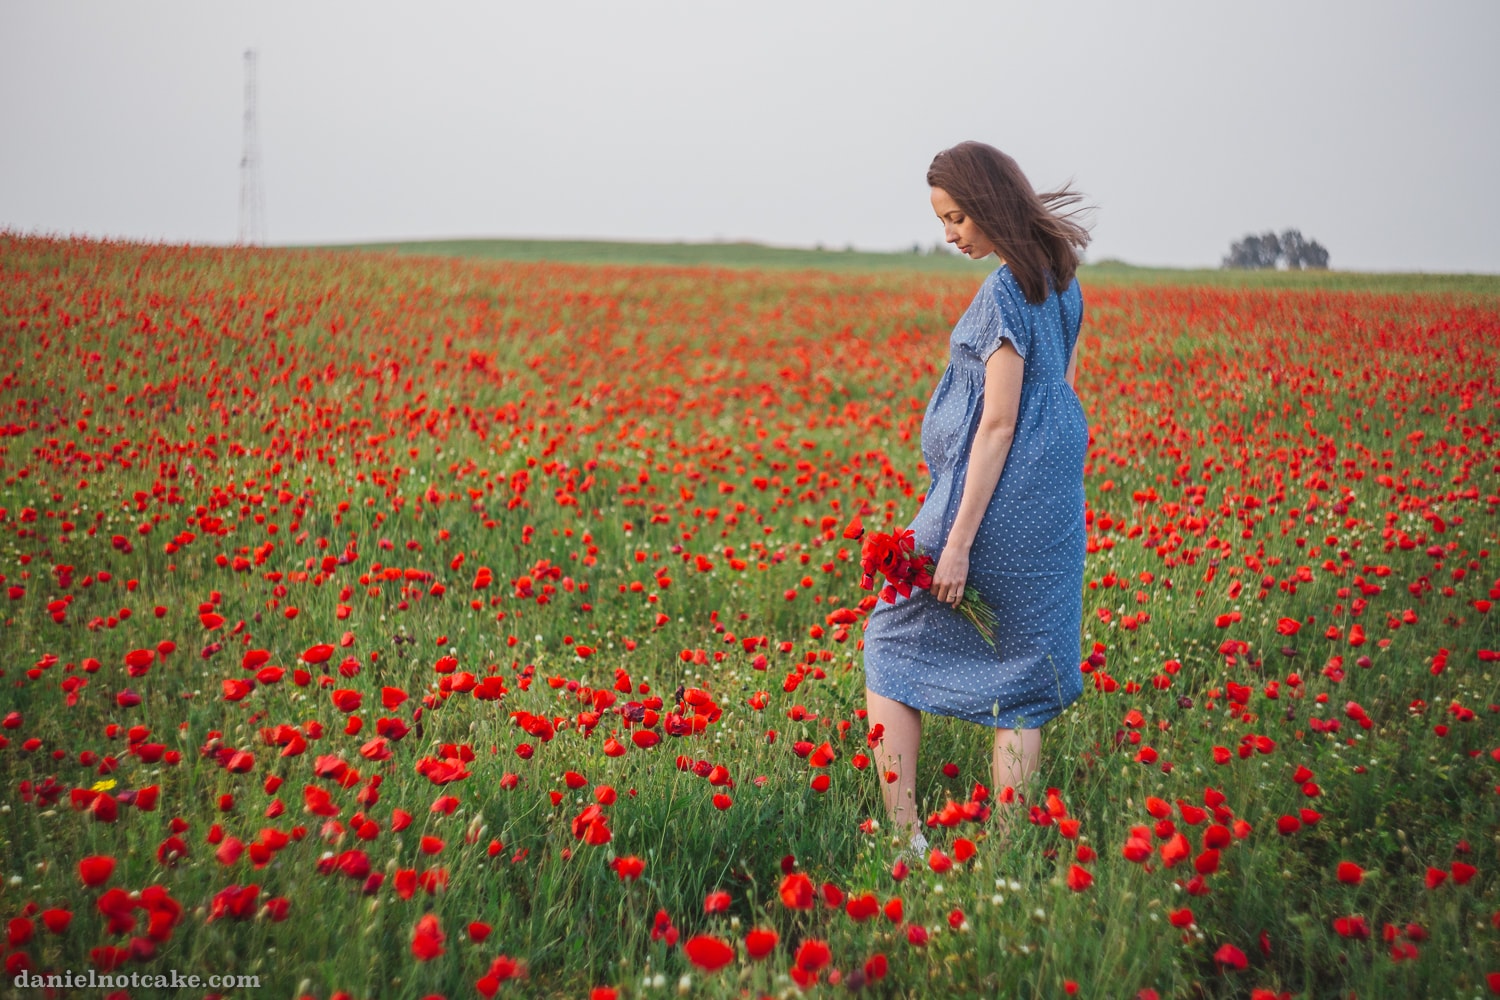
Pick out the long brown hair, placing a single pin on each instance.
(1035, 233)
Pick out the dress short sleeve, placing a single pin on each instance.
(1003, 318)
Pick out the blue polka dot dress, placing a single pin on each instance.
(1027, 557)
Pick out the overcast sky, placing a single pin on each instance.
(1370, 125)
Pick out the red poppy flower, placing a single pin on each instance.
(628, 868)
(797, 892)
(57, 920)
(760, 942)
(1174, 850)
(96, 870)
(861, 907)
(1229, 957)
(813, 955)
(1352, 927)
(708, 952)
(321, 653)
(1137, 849)
(427, 939)
(235, 902)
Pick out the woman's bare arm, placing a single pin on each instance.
(1073, 367)
(992, 441)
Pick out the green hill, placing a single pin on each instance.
(758, 255)
(748, 255)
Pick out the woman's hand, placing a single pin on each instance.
(949, 577)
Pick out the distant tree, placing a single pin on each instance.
(1300, 254)
(1254, 252)
(1289, 250)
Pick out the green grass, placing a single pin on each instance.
(757, 255)
(283, 437)
(1114, 272)
(739, 255)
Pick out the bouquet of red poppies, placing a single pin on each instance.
(895, 557)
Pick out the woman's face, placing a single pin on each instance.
(958, 228)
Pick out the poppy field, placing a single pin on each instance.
(401, 627)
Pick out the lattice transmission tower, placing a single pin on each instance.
(252, 199)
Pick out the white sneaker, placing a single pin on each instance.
(919, 843)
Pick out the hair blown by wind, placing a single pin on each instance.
(1038, 235)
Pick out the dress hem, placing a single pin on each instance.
(990, 721)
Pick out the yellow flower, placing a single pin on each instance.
(104, 786)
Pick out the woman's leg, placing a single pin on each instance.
(1016, 755)
(897, 751)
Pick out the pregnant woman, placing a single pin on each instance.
(1004, 438)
